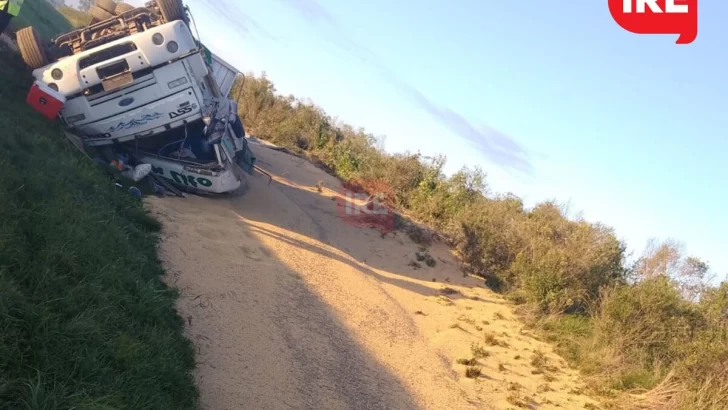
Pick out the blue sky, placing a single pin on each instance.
(553, 103)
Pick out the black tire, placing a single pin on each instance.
(99, 14)
(172, 10)
(123, 8)
(107, 5)
(31, 48)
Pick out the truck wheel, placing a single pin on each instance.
(172, 10)
(99, 14)
(123, 8)
(31, 48)
(107, 5)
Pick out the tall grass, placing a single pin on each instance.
(76, 18)
(647, 334)
(85, 320)
(43, 16)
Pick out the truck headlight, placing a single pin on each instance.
(57, 74)
(176, 83)
(158, 39)
(172, 47)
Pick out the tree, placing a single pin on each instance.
(691, 277)
(84, 5)
(659, 259)
(688, 274)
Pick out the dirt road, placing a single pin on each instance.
(290, 307)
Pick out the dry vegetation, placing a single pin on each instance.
(649, 332)
(473, 372)
(467, 362)
(478, 351)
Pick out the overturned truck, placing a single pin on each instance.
(137, 82)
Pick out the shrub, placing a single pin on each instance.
(478, 351)
(473, 372)
(652, 322)
(467, 362)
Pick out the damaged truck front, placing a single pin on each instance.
(140, 84)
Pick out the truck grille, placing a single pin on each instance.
(146, 81)
(113, 69)
(106, 54)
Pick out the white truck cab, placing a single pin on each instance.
(136, 86)
(133, 87)
(148, 89)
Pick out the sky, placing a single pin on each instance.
(553, 100)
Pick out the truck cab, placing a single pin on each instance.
(133, 87)
(141, 83)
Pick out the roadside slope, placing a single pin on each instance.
(290, 307)
(85, 320)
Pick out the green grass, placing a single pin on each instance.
(85, 320)
(568, 334)
(77, 18)
(43, 16)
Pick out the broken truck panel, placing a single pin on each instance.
(224, 73)
(191, 177)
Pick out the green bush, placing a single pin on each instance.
(649, 323)
(640, 333)
(651, 317)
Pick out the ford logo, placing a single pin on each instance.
(126, 101)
